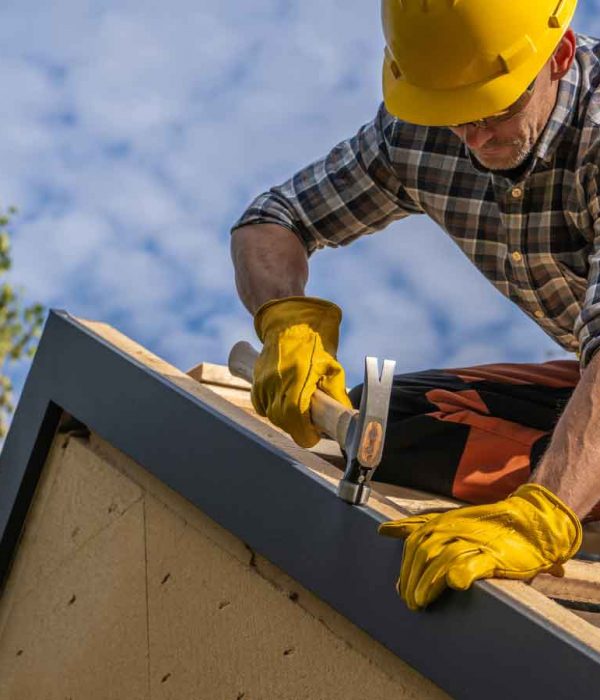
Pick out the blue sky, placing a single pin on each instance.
(133, 134)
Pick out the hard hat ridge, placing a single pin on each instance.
(426, 5)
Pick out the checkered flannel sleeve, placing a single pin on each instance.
(587, 326)
(351, 192)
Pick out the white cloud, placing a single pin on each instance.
(133, 134)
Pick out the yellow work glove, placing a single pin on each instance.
(300, 338)
(528, 533)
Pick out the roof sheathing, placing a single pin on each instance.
(490, 642)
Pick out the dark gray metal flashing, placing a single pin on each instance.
(479, 644)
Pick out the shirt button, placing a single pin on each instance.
(516, 192)
(516, 256)
(539, 314)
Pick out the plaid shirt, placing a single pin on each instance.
(536, 238)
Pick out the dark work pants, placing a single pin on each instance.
(475, 433)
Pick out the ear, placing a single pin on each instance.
(563, 56)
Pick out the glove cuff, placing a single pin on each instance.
(565, 524)
(323, 316)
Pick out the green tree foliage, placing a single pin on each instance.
(19, 325)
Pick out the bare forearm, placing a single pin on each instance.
(570, 466)
(270, 263)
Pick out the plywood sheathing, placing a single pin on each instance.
(145, 597)
(278, 619)
(73, 622)
(70, 517)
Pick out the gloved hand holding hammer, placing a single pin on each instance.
(299, 334)
(300, 339)
(297, 381)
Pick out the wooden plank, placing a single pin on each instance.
(208, 373)
(581, 583)
(591, 617)
(578, 591)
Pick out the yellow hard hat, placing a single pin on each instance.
(456, 61)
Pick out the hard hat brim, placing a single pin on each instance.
(428, 107)
(433, 107)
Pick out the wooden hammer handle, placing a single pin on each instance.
(327, 414)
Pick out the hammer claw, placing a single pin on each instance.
(365, 448)
(360, 433)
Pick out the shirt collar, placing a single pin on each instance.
(562, 116)
(559, 120)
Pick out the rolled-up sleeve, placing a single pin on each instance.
(351, 192)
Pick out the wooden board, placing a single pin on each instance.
(208, 373)
(581, 583)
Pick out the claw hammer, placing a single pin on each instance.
(360, 434)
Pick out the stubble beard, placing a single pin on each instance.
(521, 150)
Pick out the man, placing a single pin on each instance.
(491, 126)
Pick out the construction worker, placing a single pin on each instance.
(491, 126)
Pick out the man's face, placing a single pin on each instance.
(507, 144)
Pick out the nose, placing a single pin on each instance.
(474, 137)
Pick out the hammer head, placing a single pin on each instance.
(366, 434)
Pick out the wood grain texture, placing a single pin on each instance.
(581, 583)
(208, 373)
